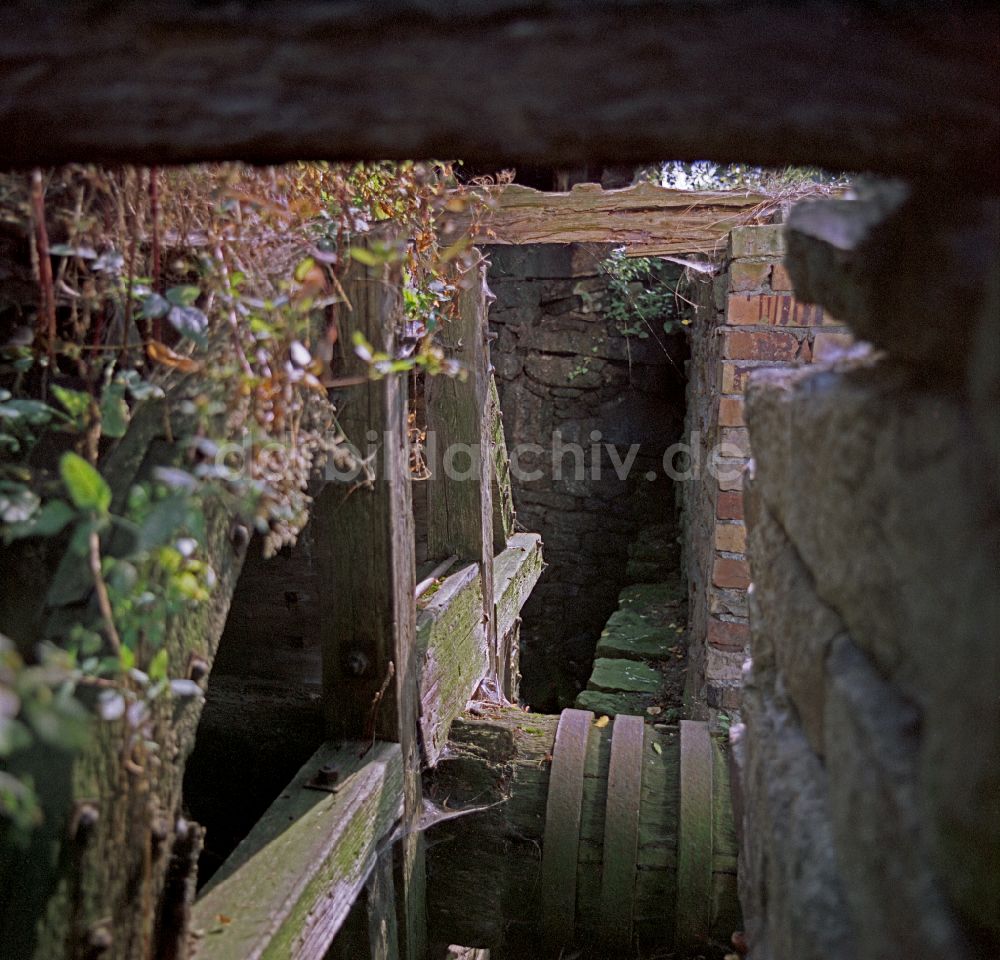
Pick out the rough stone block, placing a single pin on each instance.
(771, 310)
(727, 634)
(731, 603)
(790, 624)
(723, 666)
(748, 276)
(624, 676)
(762, 241)
(793, 897)
(733, 574)
(872, 755)
(905, 549)
(612, 704)
(760, 345)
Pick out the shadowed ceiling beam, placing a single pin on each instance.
(902, 87)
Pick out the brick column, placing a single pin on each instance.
(761, 325)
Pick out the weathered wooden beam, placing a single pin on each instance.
(365, 549)
(64, 889)
(460, 450)
(503, 492)
(451, 637)
(907, 87)
(516, 571)
(455, 655)
(644, 219)
(288, 887)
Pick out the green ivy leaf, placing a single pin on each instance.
(47, 522)
(183, 296)
(33, 412)
(154, 306)
(114, 411)
(13, 736)
(158, 666)
(189, 322)
(17, 503)
(87, 488)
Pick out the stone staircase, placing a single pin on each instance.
(641, 657)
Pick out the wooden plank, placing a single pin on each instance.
(380, 905)
(563, 812)
(502, 489)
(645, 219)
(621, 833)
(454, 655)
(365, 550)
(694, 842)
(912, 93)
(516, 571)
(289, 886)
(451, 638)
(459, 491)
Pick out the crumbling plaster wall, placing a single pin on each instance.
(563, 368)
(870, 748)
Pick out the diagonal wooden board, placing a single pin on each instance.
(288, 887)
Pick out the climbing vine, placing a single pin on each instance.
(217, 289)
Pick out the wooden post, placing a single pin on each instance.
(460, 452)
(365, 550)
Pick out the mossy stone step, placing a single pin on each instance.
(652, 594)
(636, 643)
(624, 676)
(612, 704)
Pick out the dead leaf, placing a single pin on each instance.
(602, 721)
(161, 353)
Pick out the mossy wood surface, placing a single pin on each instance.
(460, 449)
(485, 868)
(70, 889)
(647, 220)
(365, 547)
(451, 636)
(289, 886)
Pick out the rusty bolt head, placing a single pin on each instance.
(327, 775)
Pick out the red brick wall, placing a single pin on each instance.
(747, 318)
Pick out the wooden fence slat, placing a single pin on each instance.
(501, 488)
(288, 887)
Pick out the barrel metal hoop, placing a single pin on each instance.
(563, 813)
(621, 833)
(694, 842)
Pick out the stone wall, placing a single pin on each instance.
(870, 748)
(746, 319)
(566, 375)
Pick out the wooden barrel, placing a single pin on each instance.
(601, 835)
